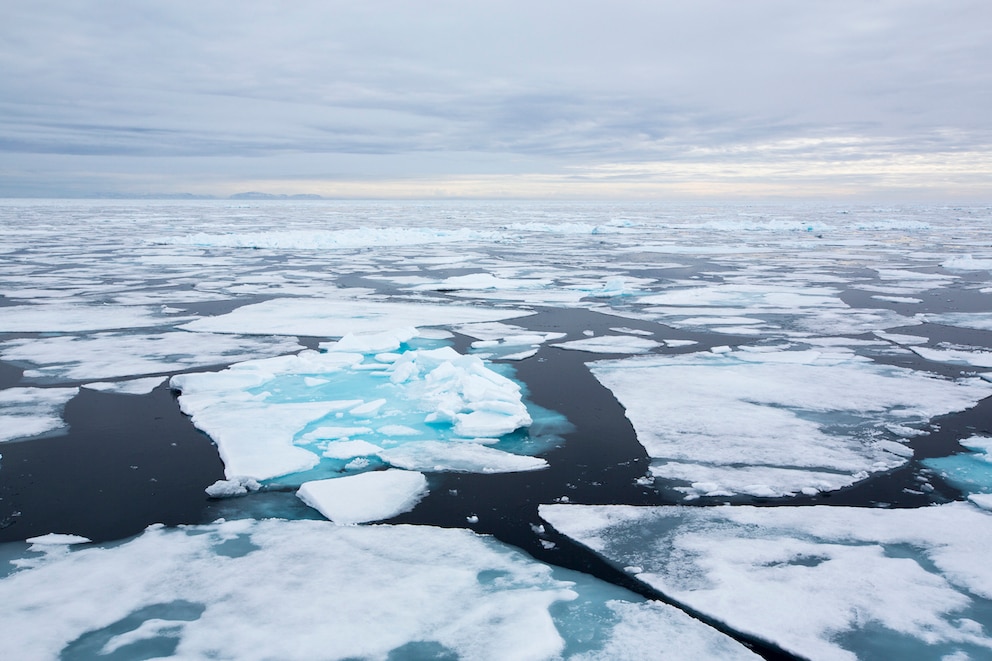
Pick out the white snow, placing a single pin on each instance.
(773, 422)
(255, 590)
(108, 355)
(819, 581)
(461, 457)
(27, 412)
(365, 497)
(236, 486)
(337, 318)
(130, 387)
(958, 355)
(610, 344)
(67, 317)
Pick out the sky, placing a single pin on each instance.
(627, 99)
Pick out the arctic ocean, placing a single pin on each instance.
(494, 430)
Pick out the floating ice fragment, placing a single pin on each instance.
(131, 387)
(956, 356)
(610, 344)
(365, 497)
(236, 486)
(26, 412)
(371, 343)
(461, 457)
(54, 538)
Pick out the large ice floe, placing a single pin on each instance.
(273, 589)
(775, 422)
(364, 401)
(826, 583)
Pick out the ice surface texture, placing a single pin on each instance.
(819, 581)
(773, 423)
(305, 590)
(278, 416)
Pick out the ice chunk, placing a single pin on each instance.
(59, 539)
(773, 422)
(967, 263)
(371, 343)
(610, 344)
(26, 412)
(366, 497)
(823, 582)
(461, 457)
(236, 486)
(969, 471)
(242, 589)
(337, 318)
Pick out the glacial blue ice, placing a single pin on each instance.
(969, 471)
(318, 415)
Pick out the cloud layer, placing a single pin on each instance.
(489, 98)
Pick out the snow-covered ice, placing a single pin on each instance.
(610, 344)
(310, 589)
(109, 355)
(365, 497)
(336, 318)
(278, 416)
(823, 582)
(773, 423)
(27, 412)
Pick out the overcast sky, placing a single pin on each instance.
(871, 99)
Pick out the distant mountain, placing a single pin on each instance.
(254, 195)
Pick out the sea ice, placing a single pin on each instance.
(338, 317)
(773, 423)
(822, 582)
(108, 355)
(969, 471)
(976, 320)
(68, 317)
(458, 457)
(27, 412)
(131, 387)
(282, 415)
(269, 589)
(956, 355)
(610, 344)
(373, 496)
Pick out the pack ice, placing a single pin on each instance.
(826, 583)
(775, 422)
(274, 589)
(361, 402)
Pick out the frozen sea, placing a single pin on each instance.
(494, 430)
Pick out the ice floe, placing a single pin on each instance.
(771, 423)
(66, 318)
(27, 412)
(610, 344)
(956, 355)
(822, 582)
(283, 415)
(256, 590)
(130, 387)
(336, 318)
(108, 355)
(373, 496)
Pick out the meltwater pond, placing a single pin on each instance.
(492, 430)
